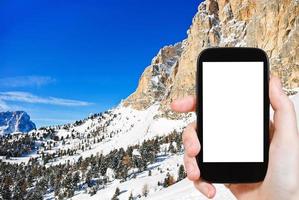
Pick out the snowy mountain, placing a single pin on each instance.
(134, 151)
(270, 25)
(17, 121)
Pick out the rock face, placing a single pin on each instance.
(155, 82)
(18, 121)
(270, 25)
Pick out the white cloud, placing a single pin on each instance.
(25, 81)
(30, 98)
(4, 106)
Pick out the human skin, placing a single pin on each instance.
(282, 178)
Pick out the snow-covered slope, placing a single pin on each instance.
(163, 165)
(17, 121)
(186, 190)
(117, 128)
(102, 133)
(182, 190)
(114, 129)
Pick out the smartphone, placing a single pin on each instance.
(233, 114)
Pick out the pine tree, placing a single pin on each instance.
(148, 153)
(156, 145)
(94, 190)
(181, 173)
(116, 194)
(20, 190)
(76, 179)
(6, 192)
(89, 178)
(127, 161)
(68, 185)
(30, 179)
(35, 195)
(171, 148)
(60, 196)
(178, 140)
(42, 185)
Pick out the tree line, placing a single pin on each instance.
(34, 179)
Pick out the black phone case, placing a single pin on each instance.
(234, 172)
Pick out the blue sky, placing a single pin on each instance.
(62, 60)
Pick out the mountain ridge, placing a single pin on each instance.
(272, 26)
(15, 121)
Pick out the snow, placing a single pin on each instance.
(237, 36)
(181, 190)
(62, 133)
(155, 80)
(15, 121)
(84, 126)
(150, 127)
(127, 134)
(162, 126)
(15, 160)
(128, 126)
(133, 127)
(136, 153)
(2, 128)
(110, 174)
(296, 89)
(185, 190)
(165, 164)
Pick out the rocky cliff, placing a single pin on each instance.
(270, 25)
(18, 121)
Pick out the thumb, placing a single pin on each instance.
(285, 123)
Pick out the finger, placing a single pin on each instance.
(205, 188)
(191, 166)
(285, 124)
(186, 104)
(190, 140)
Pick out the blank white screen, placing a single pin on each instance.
(233, 111)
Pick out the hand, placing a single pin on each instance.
(282, 178)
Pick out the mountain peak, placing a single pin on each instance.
(15, 121)
(223, 23)
(155, 81)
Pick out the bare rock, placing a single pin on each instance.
(270, 25)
